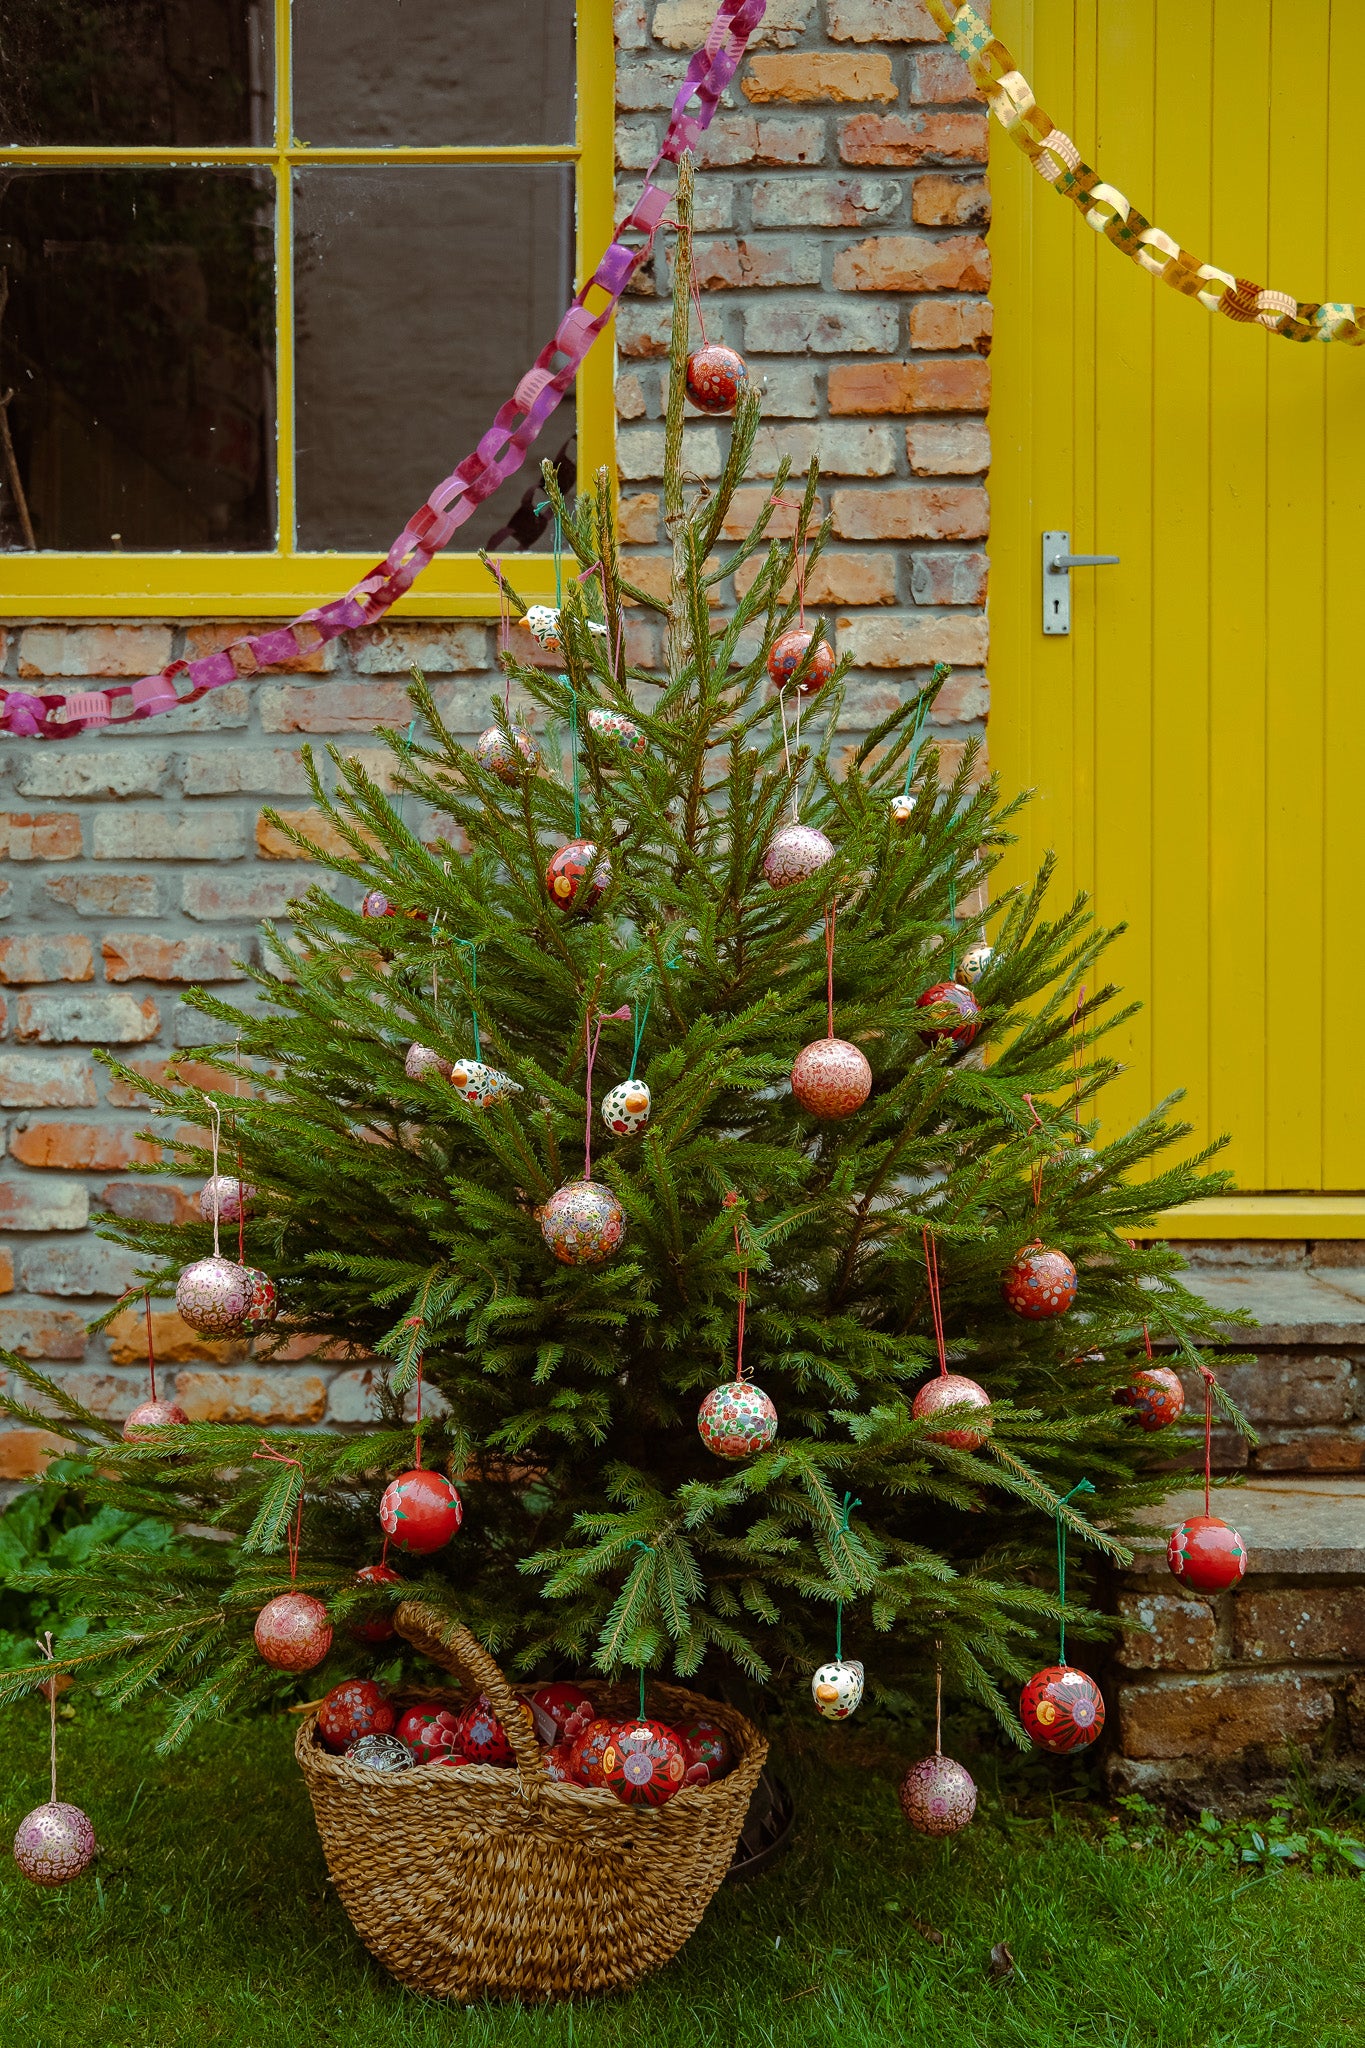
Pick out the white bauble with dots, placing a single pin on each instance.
(837, 1689)
(626, 1107)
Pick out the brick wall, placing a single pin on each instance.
(841, 206)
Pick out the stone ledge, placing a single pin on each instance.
(1292, 1305)
(1290, 1526)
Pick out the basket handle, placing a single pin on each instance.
(449, 1644)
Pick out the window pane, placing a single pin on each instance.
(135, 71)
(421, 294)
(433, 73)
(139, 338)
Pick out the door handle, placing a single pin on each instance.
(1058, 563)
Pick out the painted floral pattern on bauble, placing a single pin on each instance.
(938, 1797)
(831, 1078)
(1154, 1396)
(1062, 1708)
(626, 1107)
(615, 730)
(54, 1843)
(1206, 1554)
(1039, 1283)
(795, 854)
(583, 1223)
(737, 1420)
(837, 1689)
(643, 1764)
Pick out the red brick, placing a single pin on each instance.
(916, 641)
(913, 139)
(739, 139)
(143, 956)
(1281, 1451)
(40, 835)
(809, 75)
(639, 517)
(174, 1342)
(950, 386)
(939, 202)
(957, 576)
(683, 24)
(745, 507)
(630, 397)
(1300, 1625)
(93, 1147)
(93, 650)
(913, 263)
(91, 1019)
(105, 895)
(912, 512)
(47, 956)
(24, 1452)
(1171, 1633)
(43, 1332)
(1214, 1718)
(834, 579)
(736, 262)
(32, 1081)
(6, 1271)
(952, 323)
(270, 1396)
(207, 638)
(33, 1204)
(142, 1201)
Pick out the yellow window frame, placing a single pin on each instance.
(189, 584)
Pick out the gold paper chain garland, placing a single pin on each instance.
(1058, 162)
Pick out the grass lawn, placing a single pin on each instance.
(209, 1921)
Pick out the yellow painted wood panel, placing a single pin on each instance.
(1197, 744)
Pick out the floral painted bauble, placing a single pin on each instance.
(587, 1752)
(974, 963)
(616, 731)
(378, 1628)
(568, 1706)
(213, 1296)
(481, 1085)
(480, 1735)
(430, 1732)
(566, 877)
(643, 1764)
(960, 1013)
(451, 1757)
(230, 1196)
(420, 1511)
(509, 759)
(374, 903)
(152, 1415)
(583, 1223)
(262, 1302)
(355, 1708)
(831, 1078)
(788, 652)
(837, 1689)
(422, 1060)
(558, 1761)
(902, 809)
(54, 1843)
(937, 1796)
(381, 1753)
(626, 1107)
(737, 1420)
(707, 1751)
(1040, 1283)
(1206, 1554)
(952, 1390)
(292, 1632)
(1062, 1708)
(795, 854)
(716, 377)
(1154, 1397)
(542, 623)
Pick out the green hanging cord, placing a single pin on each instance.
(1081, 1486)
(402, 794)
(559, 561)
(952, 918)
(849, 1505)
(637, 1543)
(473, 946)
(938, 677)
(573, 752)
(639, 1034)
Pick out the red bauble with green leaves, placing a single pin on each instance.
(1039, 1283)
(355, 1708)
(480, 1735)
(643, 1764)
(379, 1628)
(568, 1706)
(1154, 1396)
(1062, 1708)
(960, 1013)
(588, 1751)
(420, 1511)
(707, 1751)
(430, 1732)
(1206, 1554)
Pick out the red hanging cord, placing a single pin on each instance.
(830, 914)
(696, 295)
(1077, 1052)
(732, 1202)
(935, 1297)
(1036, 1169)
(151, 1355)
(1147, 1340)
(415, 1323)
(1208, 1434)
(295, 1536)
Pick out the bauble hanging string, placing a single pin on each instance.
(1154, 1394)
(796, 851)
(626, 1107)
(831, 1077)
(737, 1420)
(55, 1842)
(213, 1295)
(1039, 1283)
(583, 1222)
(151, 1414)
(949, 1389)
(1206, 1553)
(420, 1511)
(837, 1688)
(578, 874)
(1061, 1707)
(903, 806)
(292, 1631)
(796, 659)
(716, 376)
(938, 1796)
(643, 1761)
(508, 751)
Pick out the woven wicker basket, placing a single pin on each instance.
(488, 1882)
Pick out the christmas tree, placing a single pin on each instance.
(685, 879)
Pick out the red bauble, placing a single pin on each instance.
(938, 1797)
(351, 1710)
(480, 1736)
(293, 1632)
(152, 1415)
(956, 1001)
(586, 1756)
(568, 1706)
(430, 1732)
(1155, 1397)
(558, 1761)
(380, 1629)
(1039, 1284)
(449, 1756)
(707, 1751)
(716, 375)
(831, 1078)
(566, 877)
(787, 653)
(643, 1763)
(952, 1390)
(1206, 1554)
(1062, 1708)
(420, 1511)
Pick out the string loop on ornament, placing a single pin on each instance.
(1209, 1384)
(638, 1543)
(1077, 1054)
(472, 946)
(1081, 1486)
(294, 1533)
(831, 912)
(44, 1642)
(151, 1355)
(573, 753)
(787, 748)
(935, 1296)
(849, 1505)
(215, 1127)
(732, 1202)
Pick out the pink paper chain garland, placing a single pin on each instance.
(500, 453)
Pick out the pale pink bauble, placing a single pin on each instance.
(292, 1632)
(937, 1796)
(952, 1390)
(831, 1078)
(152, 1415)
(233, 1197)
(213, 1296)
(422, 1060)
(54, 1843)
(794, 854)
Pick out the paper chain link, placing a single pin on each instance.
(500, 453)
(1058, 162)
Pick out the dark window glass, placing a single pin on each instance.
(433, 73)
(136, 71)
(421, 294)
(138, 339)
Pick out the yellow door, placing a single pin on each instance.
(1197, 741)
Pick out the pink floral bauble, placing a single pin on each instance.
(1154, 1396)
(262, 1303)
(511, 760)
(616, 731)
(422, 1060)
(716, 375)
(952, 1390)
(150, 1416)
(583, 1223)
(54, 1843)
(430, 1732)
(232, 1197)
(213, 1296)
(787, 653)
(795, 854)
(938, 1797)
(1040, 1283)
(1207, 1554)
(737, 1420)
(292, 1632)
(420, 1511)
(831, 1078)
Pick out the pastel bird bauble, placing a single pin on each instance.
(938, 1797)
(430, 1732)
(481, 1085)
(643, 1763)
(510, 759)
(1154, 1397)
(374, 903)
(420, 1511)
(54, 1843)
(837, 1689)
(292, 1632)
(230, 1196)
(617, 733)
(902, 809)
(567, 1705)
(1062, 1708)
(152, 1415)
(707, 1751)
(354, 1708)
(831, 1078)
(583, 1223)
(626, 1107)
(480, 1736)
(952, 1390)
(974, 963)
(1206, 1554)
(381, 1753)
(960, 1013)
(716, 377)
(795, 854)
(1039, 1283)
(586, 1755)
(737, 1420)
(262, 1302)
(422, 1060)
(542, 623)
(378, 1628)
(567, 876)
(213, 1295)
